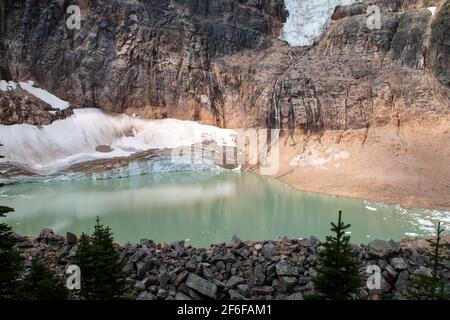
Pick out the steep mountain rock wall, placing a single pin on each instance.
(307, 19)
(355, 77)
(440, 45)
(163, 57)
(222, 61)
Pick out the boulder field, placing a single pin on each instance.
(265, 270)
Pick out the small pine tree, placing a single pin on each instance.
(42, 284)
(84, 258)
(10, 259)
(426, 287)
(338, 271)
(102, 275)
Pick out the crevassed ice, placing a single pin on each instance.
(76, 138)
(308, 19)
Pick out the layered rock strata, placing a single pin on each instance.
(222, 62)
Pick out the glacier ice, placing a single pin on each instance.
(54, 147)
(308, 19)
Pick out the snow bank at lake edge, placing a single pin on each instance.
(76, 138)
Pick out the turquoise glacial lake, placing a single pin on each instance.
(202, 208)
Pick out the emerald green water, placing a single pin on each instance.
(204, 208)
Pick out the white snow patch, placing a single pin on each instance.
(238, 168)
(75, 139)
(425, 222)
(7, 85)
(44, 95)
(411, 234)
(432, 10)
(443, 216)
(308, 19)
(428, 229)
(336, 154)
(315, 158)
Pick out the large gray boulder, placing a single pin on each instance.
(202, 285)
(402, 281)
(144, 295)
(233, 281)
(235, 242)
(398, 263)
(50, 237)
(286, 269)
(269, 250)
(71, 238)
(382, 249)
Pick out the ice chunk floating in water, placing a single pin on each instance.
(77, 138)
(308, 19)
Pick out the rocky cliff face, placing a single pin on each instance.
(222, 61)
(307, 19)
(162, 57)
(18, 106)
(355, 77)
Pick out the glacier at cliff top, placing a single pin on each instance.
(308, 19)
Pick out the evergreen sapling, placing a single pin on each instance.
(42, 284)
(10, 259)
(103, 276)
(431, 287)
(338, 271)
